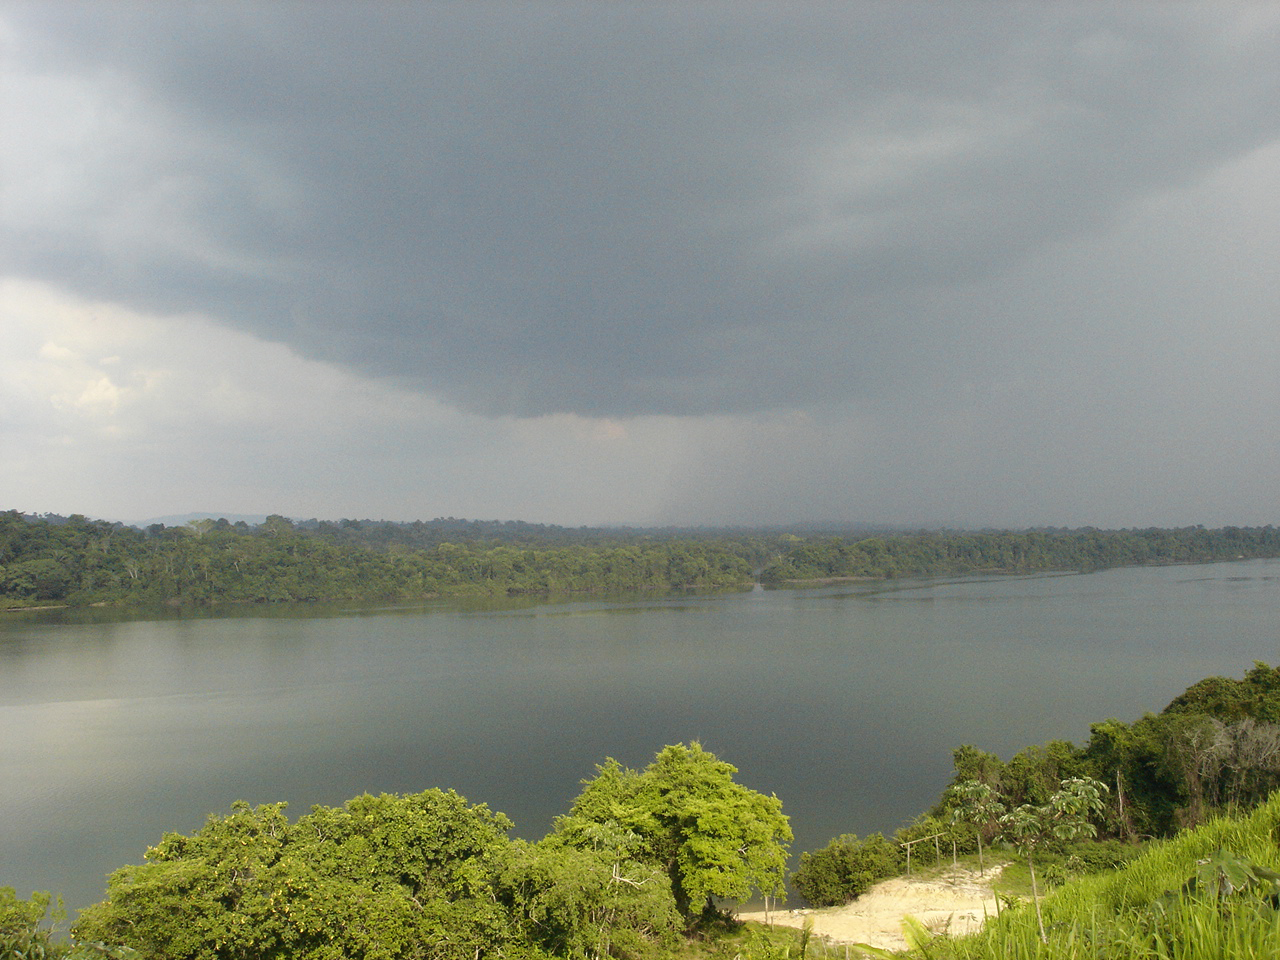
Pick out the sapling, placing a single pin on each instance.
(978, 806)
(1065, 817)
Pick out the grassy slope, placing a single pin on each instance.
(1112, 915)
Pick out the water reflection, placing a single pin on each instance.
(845, 700)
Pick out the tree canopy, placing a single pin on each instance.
(638, 859)
(77, 561)
(715, 838)
(386, 876)
(1214, 747)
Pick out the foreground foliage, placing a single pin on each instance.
(1209, 892)
(25, 925)
(634, 865)
(845, 868)
(1065, 816)
(27, 932)
(1215, 749)
(1189, 773)
(714, 838)
(383, 876)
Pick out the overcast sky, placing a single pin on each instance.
(970, 264)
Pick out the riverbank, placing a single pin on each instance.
(955, 900)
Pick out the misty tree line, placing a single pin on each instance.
(933, 554)
(78, 561)
(84, 561)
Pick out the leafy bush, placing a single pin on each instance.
(22, 930)
(594, 901)
(845, 868)
(384, 876)
(1095, 856)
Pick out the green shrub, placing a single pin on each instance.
(1095, 856)
(845, 868)
(23, 934)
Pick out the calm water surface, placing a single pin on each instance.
(844, 701)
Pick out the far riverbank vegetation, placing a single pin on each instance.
(74, 561)
(1154, 839)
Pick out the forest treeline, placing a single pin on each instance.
(77, 561)
(950, 553)
(80, 561)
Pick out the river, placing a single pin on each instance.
(845, 701)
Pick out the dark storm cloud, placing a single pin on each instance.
(621, 209)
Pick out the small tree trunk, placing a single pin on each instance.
(1035, 895)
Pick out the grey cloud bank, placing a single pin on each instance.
(977, 263)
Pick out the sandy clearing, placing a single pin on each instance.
(957, 900)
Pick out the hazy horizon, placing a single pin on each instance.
(817, 526)
(723, 264)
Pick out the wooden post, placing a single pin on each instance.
(937, 844)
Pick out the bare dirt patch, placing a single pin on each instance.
(956, 900)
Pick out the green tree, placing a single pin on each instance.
(591, 897)
(970, 763)
(617, 798)
(382, 877)
(719, 838)
(978, 805)
(1066, 816)
(714, 838)
(23, 931)
(1111, 752)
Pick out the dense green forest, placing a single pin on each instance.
(949, 553)
(82, 561)
(77, 561)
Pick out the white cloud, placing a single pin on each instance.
(181, 414)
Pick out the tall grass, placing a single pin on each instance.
(1125, 914)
